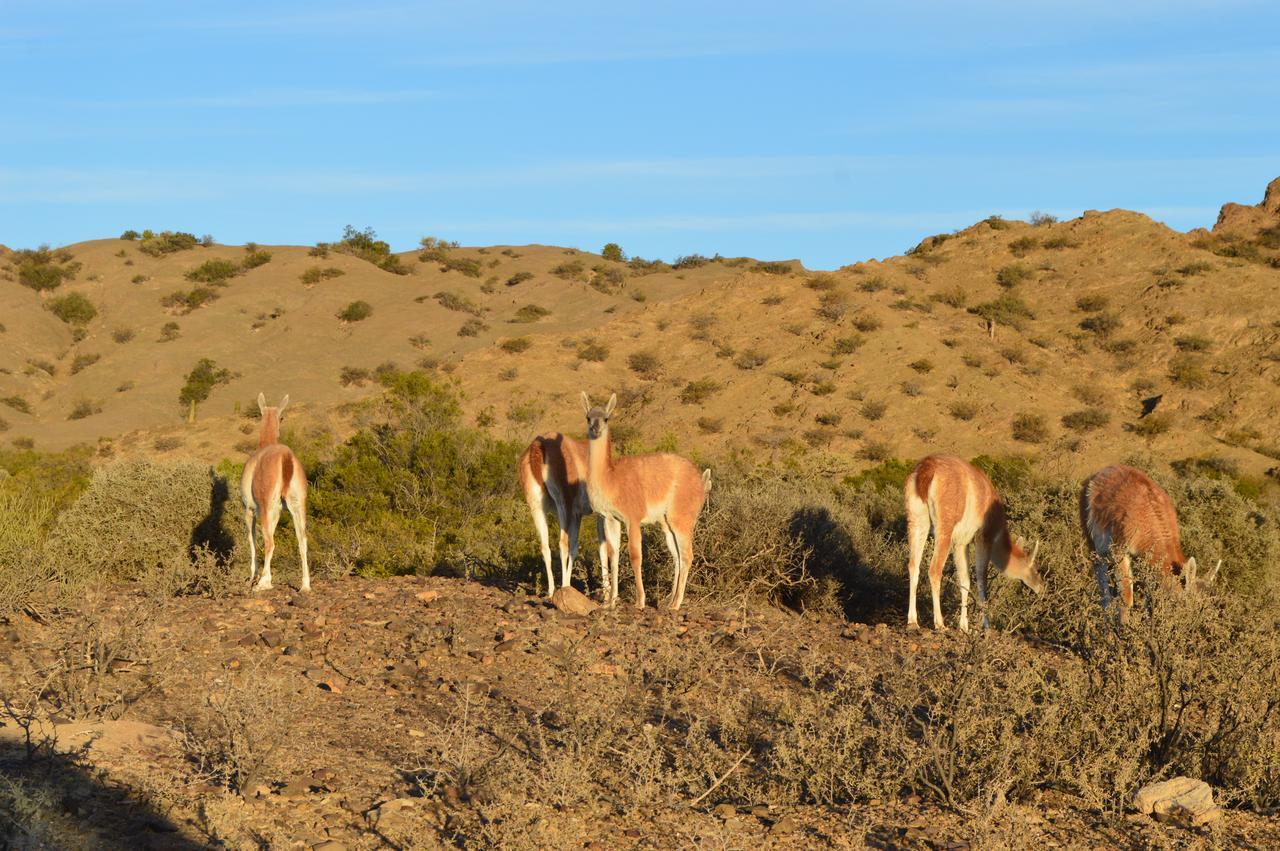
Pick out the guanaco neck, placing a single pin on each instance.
(599, 459)
(270, 432)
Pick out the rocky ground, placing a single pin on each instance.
(396, 713)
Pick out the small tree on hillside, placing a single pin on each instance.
(613, 251)
(205, 376)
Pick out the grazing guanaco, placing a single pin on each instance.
(1124, 513)
(273, 477)
(553, 474)
(960, 503)
(634, 490)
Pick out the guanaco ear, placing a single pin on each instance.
(1035, 551)
(283, 404)
(1213, 574)
(613, 403)
(586, 403)
(1189, 569)
(262, 403)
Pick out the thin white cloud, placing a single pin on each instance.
(261, 99)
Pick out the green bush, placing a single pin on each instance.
(215, 271)
(697, 392)
(1187, 371)
(644, 364)
(43, 268)
(613, 251)
(1023, 245)
(254, 258)
(1086, 420)
(186, 301)
(416, 491)
(519, 278)
(316, 274)
(530, 313)
(356, 311)
(166, 242)
(1013, 274)
(73, 308)
(1092, 302)
(570, 270)
(366, 246)
(130, 235)
(516, 345)
(83, 361)
(593, 351)
(466, 266)
(1008, 309)
(200, 382)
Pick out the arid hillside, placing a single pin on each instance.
(1005, 337)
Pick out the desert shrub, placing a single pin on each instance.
(1013, 274)
(866, 322)
(1039, 219)
(963, 410)
(873, 409)
(710, 425)
(461, 304)
(84, 360)
(832, 305)
(519, 278)
(697, 392)
(1030, 428)
(143, 520)
(1196, 267)
(822, 388)
(216, 271)
(169, 332)
(186, 301)
(356, 311)
(640, 266)
(366, 246)
(42, 365)
(473, 327)
(316, 274)
(922, 366)
(416, 491)
(606, 279)
(130, 235)
(25, 515)
(44, 268)
(1086, 420)
(644, 364)
(1008, 309)
(593, 351)
(847, 345)
(1102, 324)
(18, 403)
(434, 249)
(613, 251)
(1023, 245)
(1152, 425)
(1186, 370)
(166, 242)
(464, 265)
(254, 257)
(356, 375)
(690, 261)
(952, 297)
(1092, 302)
(570, 270)
(73, 309)
(530, 313)
(750, 359)
(515, 345)
(122, 335)
(1193, 343)
(775, 268)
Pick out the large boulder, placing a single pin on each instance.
(571, 601)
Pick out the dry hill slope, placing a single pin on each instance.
(877, 359)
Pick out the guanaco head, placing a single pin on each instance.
(1194, 582)
(263, 407)
(598, 418)
(1022, 566)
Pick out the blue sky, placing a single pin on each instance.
(831, 132)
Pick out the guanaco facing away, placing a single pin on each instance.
(960, 503)
(1124, 513)
(553, 477)
(634, 490)
(273, 477)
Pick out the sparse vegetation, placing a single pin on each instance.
(122, 335)
(1008, 310)
(697, 392)
(516, 345)
(530, 313)
(1088, 419)
(644, 364)
(18, 403)
(73, 309)
(356, 311)
(570, 270)
(84, 360)
(84, 408)
(315, 274)
(166, 242)
(1030, 428)
(873, 409)
(1152, 425)
(1186, 370)
(922, 366)
(43, 268)
(519, 278)
(963, 410)
(1023, 245)
(1014, 274)
(200, 382)
(366, 246)
(169, 332)
(750, 359)
(593, 351)
(613, 252)
(1092, 302)
(473, 327)
(1193, 343)
(185, 301)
